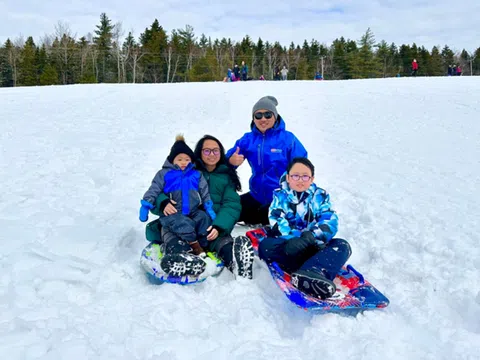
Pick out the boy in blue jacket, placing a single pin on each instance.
(268, 148)
(303, 226)
(179, 190)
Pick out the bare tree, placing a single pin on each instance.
(297, 58)
(65, 42)
(47, 40)
(84, 48)
(127, 50)
(272, 57)
(472, 57)
(232, 49)
(188, 41)
(117, 34)
(219, 55)
(93, 51)
(14, 56)
(137, 54)
(169, 53)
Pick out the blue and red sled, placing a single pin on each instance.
(353, 291)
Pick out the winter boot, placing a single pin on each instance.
(313, 283)
(243, 255)
(182, 264)
(196, 248)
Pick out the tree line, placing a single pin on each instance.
(110, 56)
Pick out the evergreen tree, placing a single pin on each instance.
(204, 68)
(49, 75)
(406, 58)
(447, 57)
(352, 70)
(259, 51)
(12, 53)
(339, 59)
(476, 62)
(6, 79)
(436, 63)
(28, 65)
(395, 66)
(303, 72)
(103, 43)
(187, 49)
(367, 66)
(203, 44)
(154, 42)
(158, 57)
(424, 61)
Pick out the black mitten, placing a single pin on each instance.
(297, 245)
(320, 244)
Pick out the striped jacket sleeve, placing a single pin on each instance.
(277, 213)
(325, 225)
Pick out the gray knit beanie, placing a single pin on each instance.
(267, 103)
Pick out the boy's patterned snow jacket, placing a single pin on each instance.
(291, 212)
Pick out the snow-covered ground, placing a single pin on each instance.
(400, 158)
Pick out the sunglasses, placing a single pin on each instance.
(296, 177)
(266, 114)
(207, 152)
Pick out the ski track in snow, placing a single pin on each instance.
(399, 157)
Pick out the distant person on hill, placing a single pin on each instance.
(284, 73)
(244, 71)
(276, 74)
(236, 72)
(414, 67)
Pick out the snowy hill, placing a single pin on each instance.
(399, 157)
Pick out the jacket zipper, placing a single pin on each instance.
(263, 169)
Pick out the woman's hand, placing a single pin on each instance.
(212, 233)
(237, 159)
(170, 208)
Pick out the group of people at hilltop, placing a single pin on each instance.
(453, 70)
(196, 196)
(237, 74)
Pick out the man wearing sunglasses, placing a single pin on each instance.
(268, 148)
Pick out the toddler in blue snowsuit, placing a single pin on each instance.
(179, 190)
(302, 229)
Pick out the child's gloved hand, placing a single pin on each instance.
(144, 210)
(209, 209)
(319, 243)
(298, 245)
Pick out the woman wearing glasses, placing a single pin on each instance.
(268, 148)
(223, 183)
(302, 229)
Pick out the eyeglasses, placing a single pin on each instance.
(266, 114)
(296, 177)
(207, 151)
